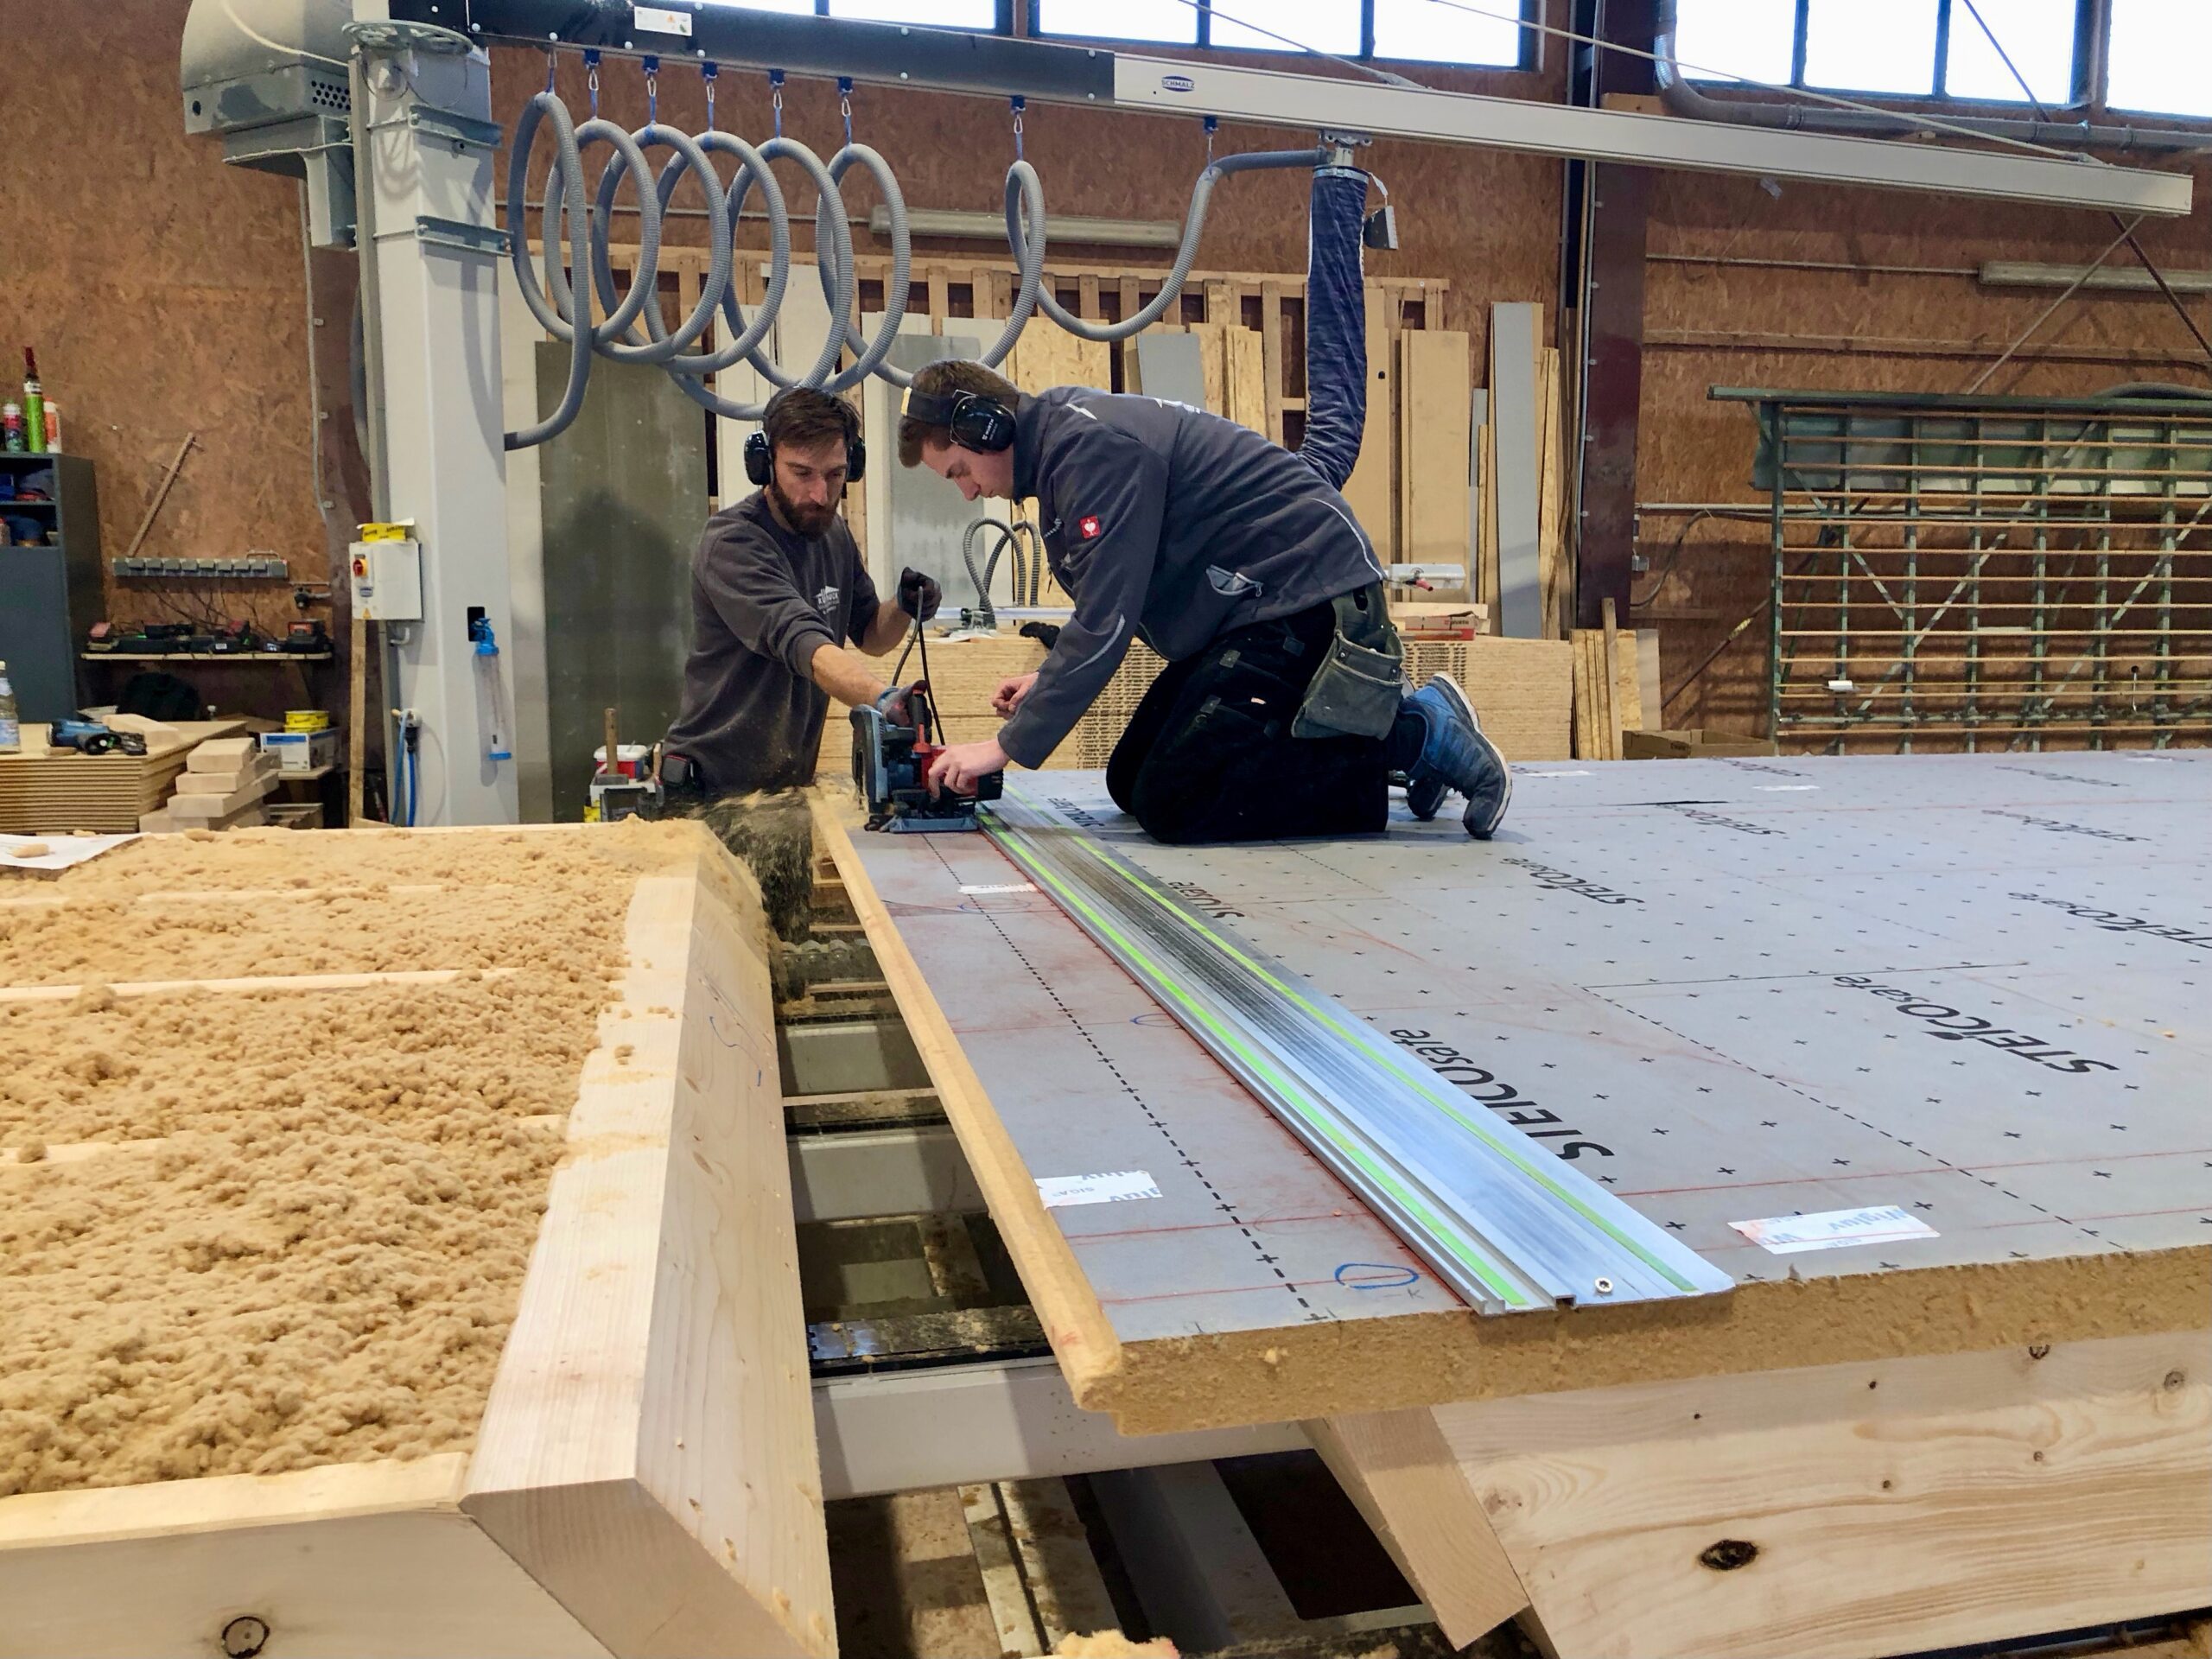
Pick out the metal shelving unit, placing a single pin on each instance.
(1986, 573)
(50, 592)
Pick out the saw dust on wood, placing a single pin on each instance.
(259, 1230)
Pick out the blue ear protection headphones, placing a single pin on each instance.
(975, 421)
(760, 461)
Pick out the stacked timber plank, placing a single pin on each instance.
(1608, 688)
(591, 1435)
(43, 788)
(222, 786)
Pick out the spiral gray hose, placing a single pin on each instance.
(1009, 540)
(553, 301)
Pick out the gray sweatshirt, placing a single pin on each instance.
(1168, 524)
(763, 601)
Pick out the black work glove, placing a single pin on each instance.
(919, 596)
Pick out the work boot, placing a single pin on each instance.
(1455, 754)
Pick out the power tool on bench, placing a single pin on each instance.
(93, 737)
(891, 765)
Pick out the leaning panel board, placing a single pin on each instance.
(643, 1477)
(1952, 988)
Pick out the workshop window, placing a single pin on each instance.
(1288, 25)
(934, 14)
(2156, 60)
(1420, 31)
(2036, 36)
(1478, 33)
(1166, 23)
(1970, 50)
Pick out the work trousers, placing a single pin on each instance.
(1209, 756)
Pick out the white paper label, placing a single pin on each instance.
(1554, 774)
(1003, 886)
(661, 20)
(1784, 788)
(56, 852)
(1058, 1191)
(1833, 1229)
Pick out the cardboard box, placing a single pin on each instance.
(302, 751)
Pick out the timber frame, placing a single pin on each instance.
(643, 1479)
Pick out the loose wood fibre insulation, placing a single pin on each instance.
(251, 1231)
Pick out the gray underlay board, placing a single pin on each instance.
(1169, 366)
(1513, 410)
(1729, 990)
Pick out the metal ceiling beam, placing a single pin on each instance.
(1048, 72)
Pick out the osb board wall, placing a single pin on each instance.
(1930, 330)
(164, 293)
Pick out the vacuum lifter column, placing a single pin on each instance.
(425, 182)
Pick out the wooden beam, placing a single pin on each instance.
(1395, 1467)
(1081, 1337)
(1890, 1507)
(355, 1558)
(647, 1453)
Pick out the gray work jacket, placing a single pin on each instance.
(1169, 525)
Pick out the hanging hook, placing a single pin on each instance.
(709, 73)
(845, 106)
(1213, 125)
(591, 80)
(653, 91)
(775, 97)
(1018, 105)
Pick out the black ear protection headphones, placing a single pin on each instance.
(760, 461)
(975, 421)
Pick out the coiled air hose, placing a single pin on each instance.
(566, 216)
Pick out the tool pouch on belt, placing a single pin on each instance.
(1355, 691)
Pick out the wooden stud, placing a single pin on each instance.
(940, 307)
(1397, 1470)
(647, 1453)
(1271, 364)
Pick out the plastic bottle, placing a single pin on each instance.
(53, 428)
(11, 731)
(34, 405)
(11, 429)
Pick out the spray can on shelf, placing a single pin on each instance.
(11, 731)
(11, 429)
(34, 405)
(53, 428)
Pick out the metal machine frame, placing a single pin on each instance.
(1985, 572)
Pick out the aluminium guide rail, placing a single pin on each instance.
(1499, 1218)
